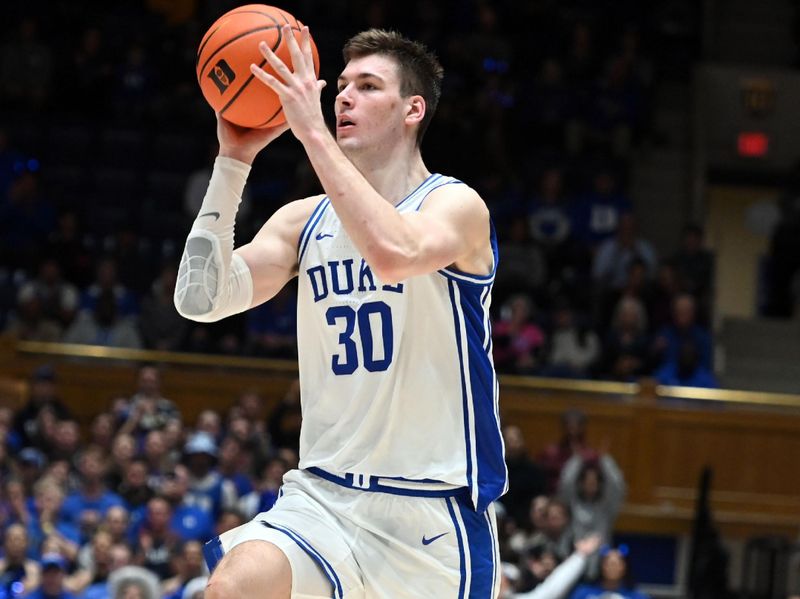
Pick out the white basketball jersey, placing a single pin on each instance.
(397, 380)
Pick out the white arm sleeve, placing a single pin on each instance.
(560, 581)
(213, 282)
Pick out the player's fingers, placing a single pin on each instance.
(275, 62)
(305, 38)
(273, 82)
(298, 62)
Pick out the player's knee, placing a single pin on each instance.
(252, 569)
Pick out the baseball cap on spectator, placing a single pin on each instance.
(54, 560)
(201, 442)
(32, 456)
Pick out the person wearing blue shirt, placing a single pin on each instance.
(684, 329)
(614, 578)
(54, 569)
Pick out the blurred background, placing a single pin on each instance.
(641, 161)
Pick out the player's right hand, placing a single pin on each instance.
(243, 144)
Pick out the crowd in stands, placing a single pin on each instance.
(106, 147)
(131, 498)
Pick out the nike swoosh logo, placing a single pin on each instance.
(432, 539)
(323, 236)
(214, 214)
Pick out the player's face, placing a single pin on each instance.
(369, 109)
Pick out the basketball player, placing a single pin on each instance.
(400, 449)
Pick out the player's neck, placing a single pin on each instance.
(393, 175)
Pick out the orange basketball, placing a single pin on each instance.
(224, 57)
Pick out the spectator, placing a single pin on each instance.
(574, 348)
(272, 326)
(19, 575)
(553, 579)
(123, 452)
(94, 564)
(54, 572)
(156, 541)
(694, 268)
(66, 442)
(30, 466)
(104, 325)
(47, 519)
(209, 421)
(523, 268)
(157, 456)
(29, 322)
(189, 521)
(683, 330)
(133, 582)
(573, 440)
(687, 371)
(525, 478)
(102, 432)
(614, 578)
(134, 488)
(600, 213)
(116, 524)
(149, 409)
(43, 394)
(556, 533)
(626, 348)
(208, 489)
(188, 564)
(614, 256)
(106, 284)
(518, 341)
(235, 464)
(594, 490)
(88, 506)
(58, 298)
(265, 495)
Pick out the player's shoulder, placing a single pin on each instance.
(454, 193)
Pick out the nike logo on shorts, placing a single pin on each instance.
(321, 236)
(432, 539)
(214, 214)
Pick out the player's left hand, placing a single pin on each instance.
(298, 90)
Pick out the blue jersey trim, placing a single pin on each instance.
(324, 565)
(212, 553)
(375, 486)
(480, 547)
(461, 555)
(430, 179)
(309, 228)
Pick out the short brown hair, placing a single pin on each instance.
(420, 70)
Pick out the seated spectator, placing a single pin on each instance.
(614, 255)
(107, 285)
(694, 268)
(149, 409)
(517, 340)
(208, 489)
(188, 564)
(526, 478)
(574, 348)
(556, 533)
(235, 464)
(554, 579)
(88, 505)
(614, 578)
(48, 520)
(599, 214)
(29, 321)
(134, 488)
(58, 298)
(626, 347)
(133, 582)
(687, 371)
(19, 575)
(43, 394)
(54, 572)
(682, 331)
(104, 325)
(265, 495)
(189, 521)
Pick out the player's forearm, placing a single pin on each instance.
(379, 232)
(212, 284)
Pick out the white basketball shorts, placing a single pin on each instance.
(375, 538)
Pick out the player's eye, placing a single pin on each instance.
(368, 86)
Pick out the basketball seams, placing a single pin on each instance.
(202, 69)
(219, 23)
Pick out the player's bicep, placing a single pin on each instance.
(453, 229)
(272, 254)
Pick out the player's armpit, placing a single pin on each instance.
(451, 229)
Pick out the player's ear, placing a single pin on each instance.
(415, 110)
